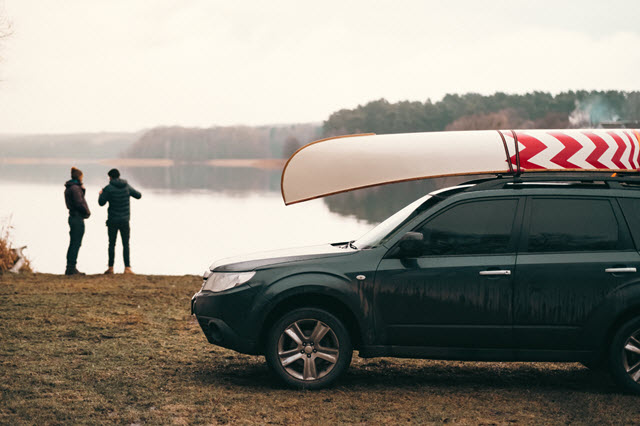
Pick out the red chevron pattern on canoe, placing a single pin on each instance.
(532, 147)
(601, 148)
(570, 149)
(632, 159)
(635, 140)
(621, 147)
(571, 146)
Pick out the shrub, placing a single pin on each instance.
(8, 257)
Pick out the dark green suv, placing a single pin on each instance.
(540, 267)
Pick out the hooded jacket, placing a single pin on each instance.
(117, 194)
(74, 198)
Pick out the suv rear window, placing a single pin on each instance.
(572, 225)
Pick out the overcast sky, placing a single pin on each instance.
(112, 65)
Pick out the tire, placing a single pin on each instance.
(308, 348)
(624, 356)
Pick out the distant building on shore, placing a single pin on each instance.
(624, 124)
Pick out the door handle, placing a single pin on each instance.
(620, 270)
(496, 272)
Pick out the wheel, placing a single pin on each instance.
(624, 356)
(308, 348)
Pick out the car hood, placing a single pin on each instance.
(252, 261)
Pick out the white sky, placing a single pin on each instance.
(93, 65)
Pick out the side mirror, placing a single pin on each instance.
(410, 244)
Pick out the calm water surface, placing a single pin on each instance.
(187, 217)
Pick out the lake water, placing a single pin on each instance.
(188, 216)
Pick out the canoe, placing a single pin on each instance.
(345, 163)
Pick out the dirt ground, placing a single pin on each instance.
(116, 349)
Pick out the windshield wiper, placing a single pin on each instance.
(353, 246)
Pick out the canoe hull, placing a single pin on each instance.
(335, 165)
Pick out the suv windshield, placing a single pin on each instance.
(386, 229)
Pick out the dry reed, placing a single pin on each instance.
(8, 257)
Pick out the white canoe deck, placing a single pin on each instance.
(335, 165)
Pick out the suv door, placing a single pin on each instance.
(574, 252)
(458, 291)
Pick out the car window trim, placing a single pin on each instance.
(635, 242)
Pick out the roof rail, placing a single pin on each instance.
(548, 177)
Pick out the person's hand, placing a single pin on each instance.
(100, 192)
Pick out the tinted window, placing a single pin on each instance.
(572, 225)
(480, 227)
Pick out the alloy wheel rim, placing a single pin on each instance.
(631, 356)
(308, 349)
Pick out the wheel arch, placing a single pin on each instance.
(626, 315)
(327, 302)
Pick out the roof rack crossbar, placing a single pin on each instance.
(542, 177)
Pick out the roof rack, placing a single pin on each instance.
(612, 180)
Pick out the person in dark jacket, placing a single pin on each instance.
(117, 194)
(78, 211)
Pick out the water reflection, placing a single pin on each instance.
(231, 180)
(189, 215)
(94, 172)
(171, 232)
(377, 203)
(371, 204)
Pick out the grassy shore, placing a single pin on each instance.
(121, 349)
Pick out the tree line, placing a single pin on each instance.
(196, 144)
(471, 111)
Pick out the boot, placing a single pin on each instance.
(109, 271)
(73, 271)
(128, 271)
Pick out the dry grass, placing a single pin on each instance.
(8, 257)
(125, 350)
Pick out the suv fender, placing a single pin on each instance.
(620, 305)
(335, 293)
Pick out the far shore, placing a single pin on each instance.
(260, 163)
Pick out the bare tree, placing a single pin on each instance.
(6, 28)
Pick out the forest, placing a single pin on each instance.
(471, 111)
(194, 144)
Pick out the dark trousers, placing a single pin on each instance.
(76, 232)
(113, 229)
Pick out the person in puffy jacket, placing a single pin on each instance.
(78, 211)
(117, 194)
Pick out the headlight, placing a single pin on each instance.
(219, 281)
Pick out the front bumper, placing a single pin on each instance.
(219, 333)
(225, 319)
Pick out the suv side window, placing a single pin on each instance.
(557, 225)
(476, 227)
